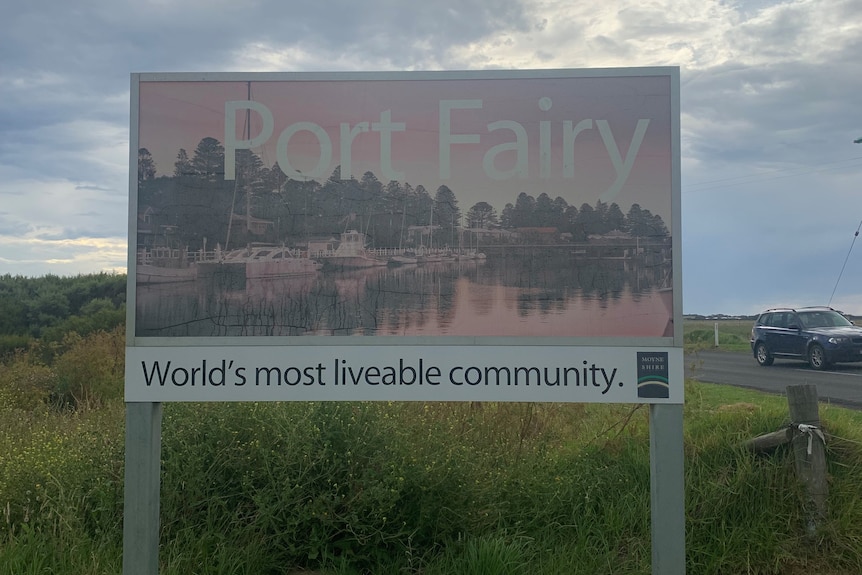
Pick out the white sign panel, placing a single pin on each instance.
(405, 373)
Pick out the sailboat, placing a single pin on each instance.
(403, 257)
(428, 255)
(268, 261)
(164, 265)
(257, 260)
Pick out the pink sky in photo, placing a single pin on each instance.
(178, 114)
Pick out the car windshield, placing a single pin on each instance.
(811, 319)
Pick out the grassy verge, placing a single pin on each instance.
(733, 334)
(344, 488)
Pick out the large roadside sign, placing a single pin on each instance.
(427, 236)
(430, 236)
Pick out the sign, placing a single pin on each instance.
(499, 235)
(430, 236)
(403, 373)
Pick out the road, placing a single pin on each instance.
(841, 385)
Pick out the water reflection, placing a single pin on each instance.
(545, 294)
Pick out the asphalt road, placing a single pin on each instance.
(841, 385)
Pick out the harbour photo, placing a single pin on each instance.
(512, 291)
(349, 209)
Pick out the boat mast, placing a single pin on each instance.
(246, 131)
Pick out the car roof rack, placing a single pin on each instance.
(806, 308)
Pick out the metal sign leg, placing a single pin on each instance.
(141, 496)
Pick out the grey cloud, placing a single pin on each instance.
(642, 22)
(13, 226)
(606, 44)
(72, 60)
(95, 188)
(773, 100)
(118, 38)
(780, 112)
(69, 159)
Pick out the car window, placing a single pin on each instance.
(779, 319)
(815, 319)
(839, 320)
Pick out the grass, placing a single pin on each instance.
(343, 488)
(437, 488)
(733, 334)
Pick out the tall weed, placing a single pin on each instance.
(344, 488)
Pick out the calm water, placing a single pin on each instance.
(546, 295)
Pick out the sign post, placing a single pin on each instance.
(426, 236)
(667, 489)
(141, 495)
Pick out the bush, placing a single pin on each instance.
(11, 343)
(91, 369)
(25, 383)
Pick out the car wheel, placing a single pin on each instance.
(817, 357)
(762, 355)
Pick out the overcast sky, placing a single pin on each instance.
(771, 101)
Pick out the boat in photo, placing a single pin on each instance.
(406, 258)
(351, 254)
(403, 257)
(428, 255)
(150, 274)
(261, 261)
(164, 265)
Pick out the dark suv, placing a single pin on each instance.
(819, 335)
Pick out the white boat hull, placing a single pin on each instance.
(149, 274)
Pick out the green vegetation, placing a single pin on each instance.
(50, 307)
(733, 334)
(440, 488)
(432, 489)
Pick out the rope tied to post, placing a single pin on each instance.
(811, 431)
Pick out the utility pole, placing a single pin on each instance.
(856, 235)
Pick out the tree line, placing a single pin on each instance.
(48, 308)
(198, 208)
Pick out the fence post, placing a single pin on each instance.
(809, 451)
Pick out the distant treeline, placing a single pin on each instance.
(196, 206)
(47, 308)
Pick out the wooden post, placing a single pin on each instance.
(809, 452)
(769, 441)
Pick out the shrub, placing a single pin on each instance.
(90, 370)
(25, 383)
(11, 343)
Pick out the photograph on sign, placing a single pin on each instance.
(408, 206)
